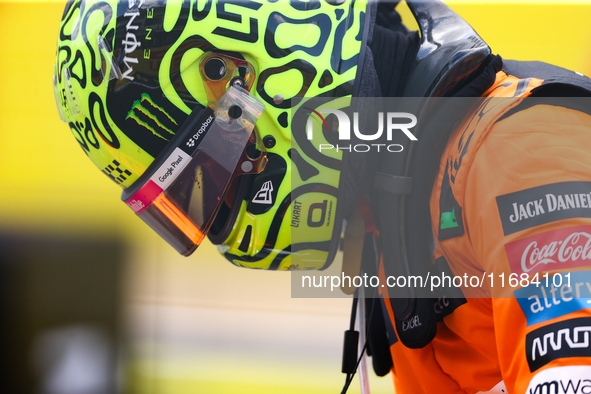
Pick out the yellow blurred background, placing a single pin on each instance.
(172, 325)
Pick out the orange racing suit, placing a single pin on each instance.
(519, 180)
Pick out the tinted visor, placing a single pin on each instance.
(187, 183)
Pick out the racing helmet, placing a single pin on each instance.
(190, 107)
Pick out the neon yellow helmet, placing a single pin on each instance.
(187, 106)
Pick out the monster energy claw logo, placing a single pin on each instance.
(142, 115)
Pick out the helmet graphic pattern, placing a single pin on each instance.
(127, 76)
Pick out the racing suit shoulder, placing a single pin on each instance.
(520, 180)
(450, 186)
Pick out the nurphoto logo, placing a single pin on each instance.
(394, 122)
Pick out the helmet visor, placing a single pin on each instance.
(184, 188)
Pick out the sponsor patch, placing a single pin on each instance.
(554, 297)
(264, 195)
(562, 380)
(565, 339)
(296, 213)
(170, 170)
(544, 204)
(559, 249)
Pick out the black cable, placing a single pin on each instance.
(350, 376)
(353, 311)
